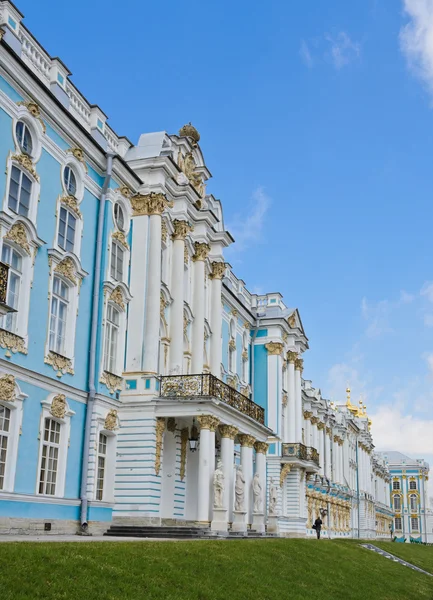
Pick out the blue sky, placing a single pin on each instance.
(316, 121)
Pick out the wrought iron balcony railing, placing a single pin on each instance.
(301, 452)
(186, 386)
(4, 272)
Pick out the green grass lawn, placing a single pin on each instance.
(207, 570)
(419, 555)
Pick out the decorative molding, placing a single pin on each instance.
(247, 325)
(307, 415)
(245, 355)
(26, 162)
(12, 343)
(234, 312)
(208, 422)
(162, 306)
(285, 399)
(66, 268)
(113, 382)
(171, 424)
(71, 203)
(184, 434)
(247, 441)
(35, 111)
(124, 191)
(79, 155)
(320, 425)
(232, 344)
(245, 391)
(299, 364)
(159, 430)
(261, 447)
(111, 420)
(186, 255)
(292, 321)
(285, 470)
(292, 356)
(189, 168)
(232, 381)
(60, 363)
(164, 230)
(329, 431)
(18, 234)
(181, 229)
(149, 204)
(120, 237)
(228, 431)
(201, 251)
(7, 388)
(117, 297)
(190, 131)
(218, 270)
(314, 420)
(274, 348)
(58, 406)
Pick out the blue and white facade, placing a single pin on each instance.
(133, 342)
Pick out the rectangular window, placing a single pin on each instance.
(414, 523)
(58, 316)
(413, 503)
(397, 523)
(102, 455)
(67, 226)
(412, 485)
(19, 192)
(397, 503)
(112, 326)
(50, 458)
(116, 262)
(395, 485)
(14, 260)
(5, 419)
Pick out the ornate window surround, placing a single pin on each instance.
(79, 170)
(107, 426)
(68, 267)
(11, 390)
(59, 411)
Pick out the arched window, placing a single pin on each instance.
(59, 314)
(24, 138)
(397, 503)
(413, 502)
(13, 258)
(69, 181)
(5, 419)
(119, 217)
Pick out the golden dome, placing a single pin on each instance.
(190, 131)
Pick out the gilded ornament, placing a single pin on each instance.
(18, 234)
(164, 231)
(61, 364)
(67, 268)
(187, 165)
(171, 424)
(186, 255)
(231, 381)
(159, 430)
(120, 237)
(285, 400)
(186, 322)
(218, 270)
(7, 388)
(314, 420)
(232, 344)
(274, 348)
(234, 312)
(124, 191)
(245, 355)
(110, 422)
(247, 441)
(72, 204)
(299, 364)
(183, 447)
(201, 251)
(79, 155)
(247, 325)
(58, 406)
(329, 431)
(320, 425)
(117, 297)
(2, 32)
(208, 422)
(285, 470)
(26, 162)
(228, 431)
(12, 343)
(292, 321)
(162, 306)
(113, 382)
(261, 447)
(292, 356)
(181, 229)
(307, 415)
(190, 131)
(149, 204)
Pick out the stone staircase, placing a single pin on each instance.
(178, 533)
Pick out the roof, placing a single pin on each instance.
(397, 458)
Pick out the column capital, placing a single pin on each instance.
(320, 425)
(329, 431)
(299, 364)
(201, 251)
(181, 229)
(274, 348)
(246, 440)
(314, 420)
(307, 415)
(228, 431)
(292, 356)
(218, 270)
(149, 204)
(208, 422)
(261, 447)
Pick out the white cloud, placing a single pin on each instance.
(428, 320)
(305, 54)
(392, 430)
(343, 49)
(377, 318)
(416, 39)
(406, 298)
(249, 230)
(427, 291)
(429, 360)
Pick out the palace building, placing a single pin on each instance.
(141, 382)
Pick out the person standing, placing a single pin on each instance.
(318, 526)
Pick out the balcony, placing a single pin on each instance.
(302, 456)
(207, 385)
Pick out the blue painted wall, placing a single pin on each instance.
(261, 377)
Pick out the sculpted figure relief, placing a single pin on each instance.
(218, 486)
(239, 490)
(273, 498)
(258, 495)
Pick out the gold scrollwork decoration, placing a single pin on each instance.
(153, 203)
(120, 237)
(246, 440)
(183, 448)
(299, 364)
(117, 297)
(67, 268)
(274, 348)
(218, 270)
(18, 234)
(58, 406)
(201, 251)
(208, 422)
(79, 155)
(285, 470)
(61, 364)
(261, 447)
(35, 111)
(111, 421)
(228, 431)
(12, 343)
(26, 162)
(7, 388)
(113, 382)
(71, 203)
(159, 431)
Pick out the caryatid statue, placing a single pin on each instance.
(258, 495)
(218, 485)
(239, 490)
(273, 498)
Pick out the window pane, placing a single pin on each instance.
(5, 416)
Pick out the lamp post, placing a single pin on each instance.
(193, 438)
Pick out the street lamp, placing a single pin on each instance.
(193, 438)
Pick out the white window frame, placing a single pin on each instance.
(109, 289)
(412, 528)
(396, 485)
(110, 463)
(79, 171)
(413, 489)
(63, 351)
(78, 229)
(28, 129)
(65, 432)
(35, 129)
(401, 524)
(112, 306)
(397, 496)
(411, 497)
(119, 246)
(16, 418)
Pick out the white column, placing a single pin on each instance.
(201, 252)
(328, 471)
(298, 399)
(335, 476)
(322, 457)
(218, 269)
(247, 444)
(274, 406)
(291, 404)
(181, 228)
(261, 449)
(307, 428)
(206, 465)
(153, 297)
(228, 434)
(314, 437)
(340, 444)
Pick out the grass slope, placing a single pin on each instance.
(205, 570)
(418, 555)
